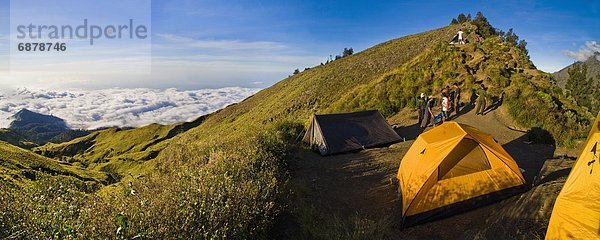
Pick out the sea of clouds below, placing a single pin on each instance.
(135, 107)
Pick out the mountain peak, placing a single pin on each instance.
(38, 127)
(24, 111)
(26, 116)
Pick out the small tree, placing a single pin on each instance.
(483, 26)
(469, 17)
(583, 90)
(500, 34)
(296, 71)
(347, 52)
(454, 21)
(511, 37)
(523, 47)
(462, 18)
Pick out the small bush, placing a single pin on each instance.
(539, 135)
(217, 189)
(53, 208)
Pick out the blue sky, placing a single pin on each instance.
(209, 44)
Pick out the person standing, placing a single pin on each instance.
(451, 100)
(445, 90)
(445, 107)
(428, 115)
(460, 36)
(481, 94)
(456, 99)
(421, 102)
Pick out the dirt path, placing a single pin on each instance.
(359, 191)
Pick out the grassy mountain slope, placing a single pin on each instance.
(69, 135)
(13, 138)
(42, 198)
(505, 70)
(386, 77)
(18, 164)
(226, 178)
(299, 96)
(115, 150)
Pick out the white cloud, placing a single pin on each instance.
(585, 52)
(90, 109)
(190, 43)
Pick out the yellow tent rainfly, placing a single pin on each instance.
(576, 213)
(452, 168)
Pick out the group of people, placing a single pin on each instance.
(449, 103)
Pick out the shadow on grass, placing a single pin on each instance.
(530, 157)
(555, 176)
(409, 132)
(466, 108)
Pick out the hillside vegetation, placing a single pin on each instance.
(117, 151)
(227, 177)
(19, 165)
(502, 67)
(13, 138)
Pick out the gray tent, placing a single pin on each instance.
(337, 133)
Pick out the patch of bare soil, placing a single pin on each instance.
(364, 184)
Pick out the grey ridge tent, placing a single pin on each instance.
(338, 133)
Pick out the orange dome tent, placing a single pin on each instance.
(451, 168)
(576, 213)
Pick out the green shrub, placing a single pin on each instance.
(216, 189)
(224, 190)
(53, 208)
(544, 109)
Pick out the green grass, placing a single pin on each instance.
(54, 207)
(226, 178)
(530, 94)
(13, 138)
(218, 190)
(18, 165)
(117, 151)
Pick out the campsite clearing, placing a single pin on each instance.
(355, 196)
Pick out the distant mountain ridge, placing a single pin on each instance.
(28, 127)
(593, 70)
(24, 117)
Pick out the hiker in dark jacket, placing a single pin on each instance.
(428, 114)
(456, 98)
(481, 94)
(421, 102)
